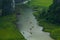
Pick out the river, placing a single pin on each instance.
(29, 27)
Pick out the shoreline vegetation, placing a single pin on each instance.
(53, 29)
(8, 28)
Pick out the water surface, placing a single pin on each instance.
(29, 27)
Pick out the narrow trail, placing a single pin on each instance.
(28, 26)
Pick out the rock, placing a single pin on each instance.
(30, 28)
(30, 32)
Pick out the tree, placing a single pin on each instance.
(7, 7)
(53, 14)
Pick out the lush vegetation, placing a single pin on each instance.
(8, 26)
(7, 7)
(53, 14)
(45, 3)
(48, 18)
(54, 29)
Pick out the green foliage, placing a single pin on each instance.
(8, 28)
(49, 19)
(7, 7)
(44, 3)
(54, 14)
(0, 4)
(54, 29)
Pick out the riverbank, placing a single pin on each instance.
(49, 27)
(8, 28)
(54, 29)
(38, 5)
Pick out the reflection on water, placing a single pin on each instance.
(29, 28)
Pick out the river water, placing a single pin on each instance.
(29, 27)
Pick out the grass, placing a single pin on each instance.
(8, 28)
(45, 3)
(54, 29)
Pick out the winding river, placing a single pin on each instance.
(29, 27)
